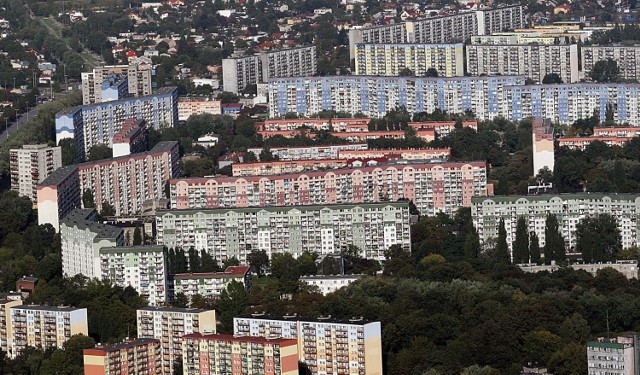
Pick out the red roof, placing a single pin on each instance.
(131, 53)
(230, 271)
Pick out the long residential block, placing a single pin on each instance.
(541, 59)
(332, 124)
(436, 186)
(140, 357)
(569, 209)
(375, 96)
(627, 58)
(210, 284)
(227, 233)
(327, 346)
(169, 325)
(308, 152)
(229, 354)
(97, 123)
(409, 59)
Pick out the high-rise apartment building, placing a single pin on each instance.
(239, 72)
(227, 233)
(569, 209)
(30, 165)
(229, 354)
(140, 357)
(197, 105)
(327, 346)
(435, 186)
(541, 59)
(137, 77)
(375, 96)
(210, 284)
(567, 103)
(44, 326)
(168, 325)
(6, 328)
(543, 145)
(409, 59)
(125, 182)
(97, 123)
(616, 356)
(627, 58)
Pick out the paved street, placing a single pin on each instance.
(14, 125)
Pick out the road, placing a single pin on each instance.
(13, 126)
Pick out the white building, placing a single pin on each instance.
(169, 324)
(308, 152)
(137, 73)
(629, 268)
(210, 284)
(392, 59)
(30, 165)
(197, 105)
(615, 356)
(329, 283)
(207, 140)
(627, 58)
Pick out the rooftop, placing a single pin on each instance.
(160, 91)
(296, 318)
(231, 271)
(58, 176)
(85, 219)
(120, 345)
(48, 308)
(173, 309)
(321, 277)
(561, 196)
(264, 340)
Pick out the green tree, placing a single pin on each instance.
(521, 242)
(233, 301)
(534, 248)
(68, 150)
(207, 262)
(569, 360)
(284, 267)
(307, 263)
(472, 246)
(431, 72)
(233, 261)
(540, 345)
(87, 199)
(502, 248)
(180, 300)
(605, 71)
(259, 261)
(227, 97)
(99, 152)
(551, 78)
(598, 238)
(137, 236)
(107, 209)
(554, 248)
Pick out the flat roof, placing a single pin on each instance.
(390, 78)
(231, 271)
(563, 196)
(295, 318)
(161, 91)
(58, 176)
(321, 277)
(48, 308)
(260, 339)
(118, 346)
(187, 310)
(80, 217)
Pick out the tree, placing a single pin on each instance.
(307, 263)
(521, 242)
(431, 72)
(180, 300)
(605, 71)
(233, 261)
(284, 267)
(137, 236)
(598, 238)
(207, 262)
(406, 72)
(233, 300)
(472, 245)
(68, 150)
(554, 249)
(534, 248)
(87, 199)
(551, 78)
(259, 261)
(569, 360)
(502, 248)
(227, 97)
(99, 152)
(107, 209)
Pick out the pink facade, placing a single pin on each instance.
(409, 154)
(443, 128)
(433, 187)
(426, 134)
(338, 124)
(580, 143)
(616, 132)
(288, 166)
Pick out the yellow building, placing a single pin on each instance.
(139, 357)
(6, 328)
(393, 59)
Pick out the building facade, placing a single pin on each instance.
(240, 72)
(227, 233)
(229, 354)
(197, 105)
(332, 124)
(435, 186)
(627, 58)
(308, 152)
(58, 195)
(629, 268)
(375, 96)
(168, 325)
(394, 154)
(267, 168)
(45, 326)
(138, 79)
(329, 283)
(30, 165)
(542, 59)
(140, 357)
(569, 209)
(327, 346)
(97, 123)
(6, 327)
(617, 356)
(131, 139)
(400, 59)
(543, 145)
(210, 284)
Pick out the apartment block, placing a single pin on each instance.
(613, 356)
(581, 143)
(131, 139)
(141, 267)
(97, 123)
(125, 182)
(58, 195)
(6, 328)
(375, 96)
(541, 59)
(569, 209)
(568, 103)
(168, 325)
(500, 19)
(210, 284)
(395, 154)
(240, 72)
(358, 137)
(332, 124)
(309, 152)
(329, 283)
(197, 105)
(616, 131)
(227, 233)
(45, 326)
(140, 357)
(543, 145)
(627, 58)
(30, 165)
(327, 346)
(267, 168)
(136, 75)
(396, 59)
(629, 268)
(229, 354)
(435, 186)
(442, 128)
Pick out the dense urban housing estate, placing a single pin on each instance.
(627, 58)
(409, 59)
